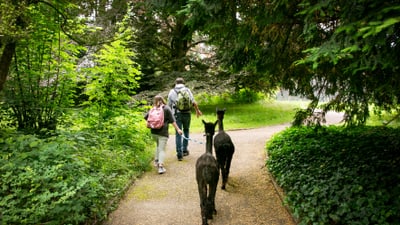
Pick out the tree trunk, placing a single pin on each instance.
(179, 44)
(5, 62)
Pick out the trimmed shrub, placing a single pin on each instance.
(337, 175)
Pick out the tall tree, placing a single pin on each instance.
(39, 44)
(42, 73)
(164, 42)
(85, 22)
(357, 63)
(12, 25)
(342, 49)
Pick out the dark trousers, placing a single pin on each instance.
(183, 122)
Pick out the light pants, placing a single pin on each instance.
(160, 149)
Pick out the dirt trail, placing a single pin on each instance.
(172, 198)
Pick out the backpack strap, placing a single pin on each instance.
(176, 91)
(176, 99)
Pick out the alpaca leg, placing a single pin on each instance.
(204, 213)
(227, 169)
(203, 202)
(221, 169)
(224, 176)
(209, 209)
(213, 190)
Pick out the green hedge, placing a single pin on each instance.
(73, 177)
(337, 175)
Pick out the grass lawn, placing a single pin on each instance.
(263, 113)
(244, 116)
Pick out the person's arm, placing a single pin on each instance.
(177, 128)
(170, 99)
(171, 119)
(196, 107)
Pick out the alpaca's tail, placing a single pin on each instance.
(206, 168)
(226, 147)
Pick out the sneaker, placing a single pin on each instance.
(185, 153)
(180, 158)
(161, 170)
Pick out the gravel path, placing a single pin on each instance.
(172, 198)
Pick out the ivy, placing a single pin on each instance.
(337, 175)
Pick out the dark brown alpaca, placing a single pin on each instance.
(207, 176)
(224, 148)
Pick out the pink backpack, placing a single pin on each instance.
(155, 119)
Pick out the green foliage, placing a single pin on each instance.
(246, 95)
(168, 47)
(74, 177)
(113, 78)
(356, 62)
(44, 181)
(336, 175)
(344, 50)
(385, 118)
(41, 81)
(243, 96)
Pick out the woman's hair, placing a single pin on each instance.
(158, 101)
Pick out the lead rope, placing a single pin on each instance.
(190, 139)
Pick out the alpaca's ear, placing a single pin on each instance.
(216, 122)
(204, 122)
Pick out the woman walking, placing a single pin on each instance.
(160, 135)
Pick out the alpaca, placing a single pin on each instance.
(207, 176)
(224, 148)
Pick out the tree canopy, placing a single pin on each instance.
(344, 50)
(341, 51)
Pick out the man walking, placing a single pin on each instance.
(181, 101)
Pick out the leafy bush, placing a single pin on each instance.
(71, 178)
(335, 175)
(242, 96)
(246, 95)
(40, 85)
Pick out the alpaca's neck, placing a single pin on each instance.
(220, 125)
(209, 140)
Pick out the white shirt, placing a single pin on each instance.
(173, 96)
